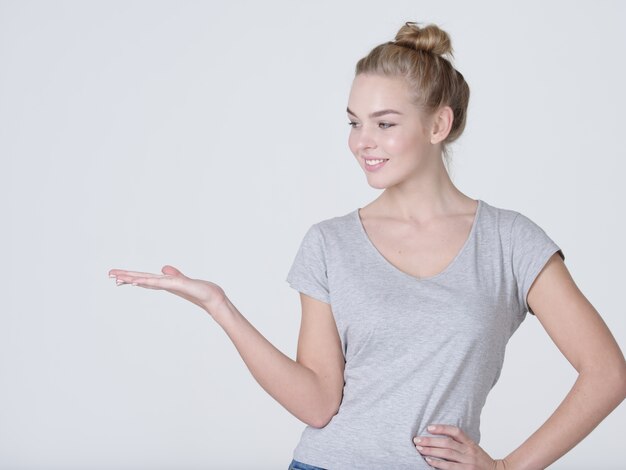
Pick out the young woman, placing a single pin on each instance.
(408, 303)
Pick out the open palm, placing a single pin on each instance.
(207, 295)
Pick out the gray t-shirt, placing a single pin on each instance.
(417, 351)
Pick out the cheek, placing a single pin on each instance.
(403, 144)
(397, 144)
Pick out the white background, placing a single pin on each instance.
(210, 136)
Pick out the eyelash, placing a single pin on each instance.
(352, 124)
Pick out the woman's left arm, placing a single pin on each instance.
(581, 335)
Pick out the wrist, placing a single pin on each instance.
(221, 309)
(504, 464)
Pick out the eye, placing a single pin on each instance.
(385, 125)
(352, 124)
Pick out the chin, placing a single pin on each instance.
(378, 185)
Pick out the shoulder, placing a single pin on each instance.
(517, 231)
(509, 221)
(500, 215)
(497, 222)
(524, 239)
(325, 234)
(334, 236)
(337, 227)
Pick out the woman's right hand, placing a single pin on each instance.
(205, 294)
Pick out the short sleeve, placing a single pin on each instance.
(531, 248)
(308, 273)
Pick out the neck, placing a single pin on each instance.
(426, 196)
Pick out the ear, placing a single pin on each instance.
(441, 124)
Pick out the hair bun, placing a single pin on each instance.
(430, 38)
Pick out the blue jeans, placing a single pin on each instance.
(295, 465)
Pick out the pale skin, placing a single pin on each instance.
(433, 217)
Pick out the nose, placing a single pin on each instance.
(363, 139)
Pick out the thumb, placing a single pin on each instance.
(171, 270)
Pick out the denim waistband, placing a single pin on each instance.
(295, 465)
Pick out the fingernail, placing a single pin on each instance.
(431, 428)
(419, 447)
(134, 283)
(111, 275)
(417, 439)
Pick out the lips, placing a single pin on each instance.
(376, 166)
(368, 158)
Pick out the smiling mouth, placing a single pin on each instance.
(374, 161)
(374, 164)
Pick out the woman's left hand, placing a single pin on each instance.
(458, 450)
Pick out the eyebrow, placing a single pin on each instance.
(377, 113)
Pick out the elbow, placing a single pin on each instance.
(321, 420)
(324, 416)
(327, 405)
(607, 380)
(618, 373)
(612, 376)
(622, 380)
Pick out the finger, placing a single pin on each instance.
(147, 283)
(454, 432)
(122, 272)
(443, 464)
(445, 453)
(121, 279)
(441, 442)
(162, 282)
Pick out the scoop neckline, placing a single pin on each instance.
(393, 267)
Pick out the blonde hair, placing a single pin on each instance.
(418, 55)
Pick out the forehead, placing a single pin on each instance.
(373, 92)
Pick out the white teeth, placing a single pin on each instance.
(373, 162)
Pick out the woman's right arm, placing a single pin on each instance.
(311, 387)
